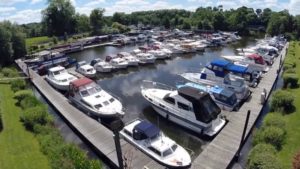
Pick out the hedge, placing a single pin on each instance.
(261, 148)
(264, 160)
(290, 80)
(29, 101)
(270, 135)
(18, 84)
(1, 124)
(275, 120)
(22, 94)
(282, 101)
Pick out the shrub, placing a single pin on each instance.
(282, 101)
(291, 70)
(17, 85)
(35, 115)
(1, 125)
(30, 101)
(22, 94)
(264, 160)
(296, 161)
(290, 80)
(275, 120)
(270, 135)
(10, 72)
(261, 148)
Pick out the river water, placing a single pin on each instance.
(125, 84)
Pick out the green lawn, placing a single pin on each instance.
(36, 41)
(292, 144)
(18, 148)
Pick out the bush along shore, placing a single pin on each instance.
(276, 142)
(36, 119)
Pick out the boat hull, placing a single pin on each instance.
(62, 87)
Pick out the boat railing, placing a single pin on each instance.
(146, 84)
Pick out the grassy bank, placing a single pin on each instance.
(19, 149)
(292, 143)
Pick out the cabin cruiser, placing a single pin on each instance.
(85, 69)
(159, 54)
(229, 81)
(91, 98)
(145, 58)
(59, 78)
(267, 58)
(226, 99)
(101, 66)
(255, 61)
(132, 61)
(221, 67)
(186, 106)
(117, 62)
(188, 48)
(150, 140)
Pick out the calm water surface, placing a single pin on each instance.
(125, 84)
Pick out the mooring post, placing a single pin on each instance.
(237, 155)
(116, 126)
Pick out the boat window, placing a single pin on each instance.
(183, 106)
(138, 135)
(89, 70)
(84, 93)
(98, 106)
(174, 147)
(56, 73)
(155, 151)
(167, 152)
(111, 100)
(210, 107)
(106, 103)
(128, 133)
(169, 99)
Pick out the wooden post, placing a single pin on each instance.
(116, 126)
(237, 155)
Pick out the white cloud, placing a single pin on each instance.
(294, 7)
(35, 1)
(10, 2)
(94, 3)
(4, 10)
(24, 16)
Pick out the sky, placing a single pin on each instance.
(27, 11)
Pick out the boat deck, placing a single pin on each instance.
(98, 136)
(221, 151)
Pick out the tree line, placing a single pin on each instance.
(60, 19)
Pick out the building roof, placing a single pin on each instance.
(81, 82)
(149, 129)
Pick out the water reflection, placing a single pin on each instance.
(125, 84)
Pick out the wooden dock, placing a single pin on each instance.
(221, 151)
(99, 137)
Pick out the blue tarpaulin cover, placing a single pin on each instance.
(149, 129)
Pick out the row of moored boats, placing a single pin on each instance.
(223, 84)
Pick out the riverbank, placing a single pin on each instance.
(19, 148)
(292, 143)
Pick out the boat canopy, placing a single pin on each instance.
(146, 128)
(236, 68)
(81, 82)
(205, 108)
(220, 63)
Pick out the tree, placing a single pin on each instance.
(6, 49)
(120, 17)
(96, 20)
(18, 44)
(166, 23)
(82, 23)
(59, 17)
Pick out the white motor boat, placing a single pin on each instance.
(146, 58)
(207, 77)
(187, 106)
(188, 48)
(85, 69)
(92, 99)
(132, 61)
(117, 62)
(101, 66)
(59, 78)
(150, 140)
(225, 98)
(254, 61)
(159, 54)
(267, 58)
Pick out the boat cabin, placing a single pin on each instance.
(256, 58)
(223, 67)
(55, 71)
(145, 130)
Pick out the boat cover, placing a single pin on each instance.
(81, 82)
(147, 128)
(205, 108)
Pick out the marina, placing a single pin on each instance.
(126, 85)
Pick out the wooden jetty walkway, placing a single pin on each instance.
(98, 136)
(221, 151)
